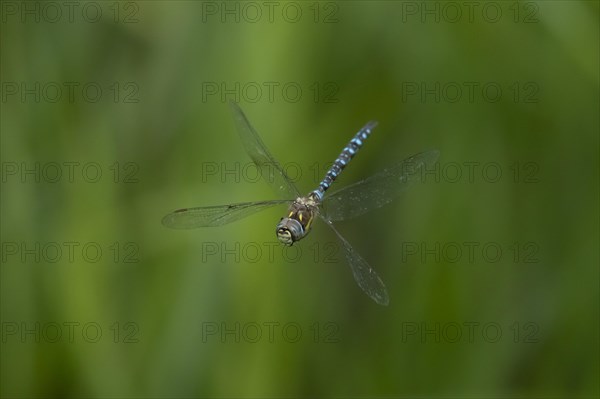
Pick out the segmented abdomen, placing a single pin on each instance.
(344, 158)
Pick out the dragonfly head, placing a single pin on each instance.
(289, 231)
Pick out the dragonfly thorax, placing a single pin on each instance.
(298, 221)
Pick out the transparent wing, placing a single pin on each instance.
(210, 216)
(271, 171)
(377, 190)
(364, 275)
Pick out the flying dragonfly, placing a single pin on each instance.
(349, 202)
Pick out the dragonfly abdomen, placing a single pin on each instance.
(344, 158)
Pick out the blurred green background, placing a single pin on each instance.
(138, 92)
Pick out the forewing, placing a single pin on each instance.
(364, 275)
(270, 170)
(377, 190)
(210, 216)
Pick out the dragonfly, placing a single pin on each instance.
(348, 202)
